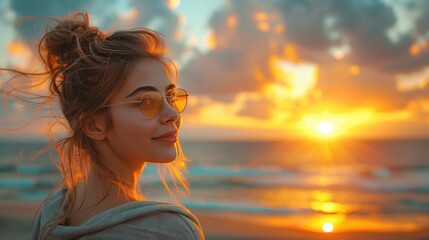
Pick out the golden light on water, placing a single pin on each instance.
(328, 227)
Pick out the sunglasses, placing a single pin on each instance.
(151, 102)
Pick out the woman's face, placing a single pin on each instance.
(132, 134)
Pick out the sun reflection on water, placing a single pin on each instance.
(328, 227)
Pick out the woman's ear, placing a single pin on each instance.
(95, 127)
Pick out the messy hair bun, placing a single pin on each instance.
(79, 56)
(68, 40)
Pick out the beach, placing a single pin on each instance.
(16, 220)
(272, 190)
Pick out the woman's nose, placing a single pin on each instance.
(169, 114)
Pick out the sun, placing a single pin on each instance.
(325, 128)
(327, 227)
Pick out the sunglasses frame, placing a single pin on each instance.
(162, 98)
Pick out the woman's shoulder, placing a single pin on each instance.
(163, 225)
(153, 220)
(134, 220)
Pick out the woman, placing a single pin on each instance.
(118, 95)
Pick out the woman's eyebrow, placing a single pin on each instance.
(149, 88)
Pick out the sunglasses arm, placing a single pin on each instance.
(121, 103)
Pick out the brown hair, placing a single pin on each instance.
(85, 67)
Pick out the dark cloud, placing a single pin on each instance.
(32, 17)
(220, 72)
(422, 23)
(305, 23)
(363, 25)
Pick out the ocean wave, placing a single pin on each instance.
(241, 208)
(381, 179)
(378, 178)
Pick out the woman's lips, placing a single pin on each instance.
(170, 137)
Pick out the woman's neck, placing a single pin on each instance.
(97, 194)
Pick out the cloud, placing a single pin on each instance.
(241, 51)
(349, 42)
(257, 108)
(32, 16)
(242, 48)
(158, 15)
(220, 72)
(362, 25)
(31, 21)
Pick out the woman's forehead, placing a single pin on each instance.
(145, 74)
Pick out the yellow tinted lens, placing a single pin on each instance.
(178, 99)
(150, 104)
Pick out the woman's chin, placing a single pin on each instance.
(169, 157)
(163, 152)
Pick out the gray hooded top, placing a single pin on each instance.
(135, 220)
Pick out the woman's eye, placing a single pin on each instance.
(146, 101)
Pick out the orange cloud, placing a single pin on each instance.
(413, 81)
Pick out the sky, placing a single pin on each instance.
(265, 70)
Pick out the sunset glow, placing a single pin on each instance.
(293, 80)
(327, 227)
(325, 128)
(303, 119)
(309, 83)
(327, 207)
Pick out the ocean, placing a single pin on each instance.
(350, 185)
